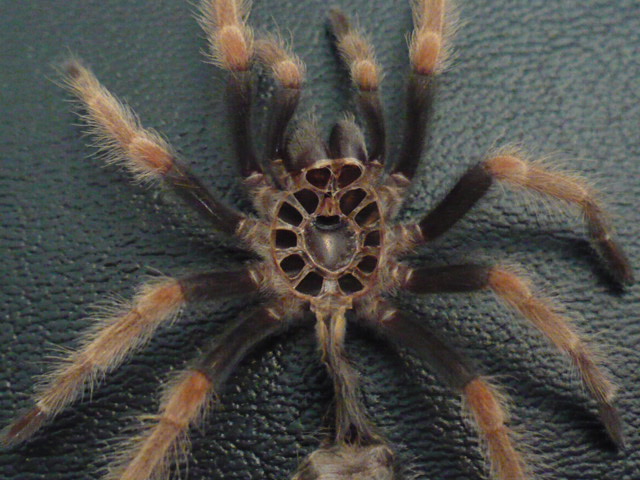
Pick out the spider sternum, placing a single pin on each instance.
(327, 229)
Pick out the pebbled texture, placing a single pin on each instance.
(554, 76)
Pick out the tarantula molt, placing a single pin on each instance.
(328, 244)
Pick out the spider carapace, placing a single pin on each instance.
(329, 242)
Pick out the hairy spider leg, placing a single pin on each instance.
(512, 170)
(482, 399)
(359, 57)
(143, 152)
(288, 72)
(356, 449)
(428, 54)
(517, 292)
(118, 333)
(185, 401)
(231, 46)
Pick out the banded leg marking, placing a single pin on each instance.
(516, 172)
(517, 292)
(118, 335)
(359, 57)
(427, 52)
(185, 401)
(485, 404)
(231, 47)
(143, 152)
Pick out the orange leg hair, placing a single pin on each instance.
(510, 169)
(185, 401)
(357, 53)
(427, 49)
(484, 403)
(231, 47)
(359, 57)
(116, 128)
(230, 38)
(184, 404)
(105, 347)
(428, 54)
(518, 292)
(116, 336)
(490, 417)
(288, 71)
(143, 152)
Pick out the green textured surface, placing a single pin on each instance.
(559, 79)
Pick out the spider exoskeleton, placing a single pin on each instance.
(329, 243)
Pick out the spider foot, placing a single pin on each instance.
(23, 427)
(612, 423)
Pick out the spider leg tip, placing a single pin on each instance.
(23, 427)
(626, 277)
(618, 266)
(613, 425)
(621, 279)
(338, 21)
(71, 68)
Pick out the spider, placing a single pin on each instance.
(330, 251)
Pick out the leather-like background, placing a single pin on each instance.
(559, 77)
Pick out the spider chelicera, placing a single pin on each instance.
(330, 247)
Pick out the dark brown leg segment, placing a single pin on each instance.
(359, 57)
(518, 293)
(427, 52)
(118, 335)
(464, 195)
(239, 99)
(225, 219)
(516, 172)
(288, 72)
(231, 46)
(450, 278)
(420, 96)
(186, 400)
(481, 398)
